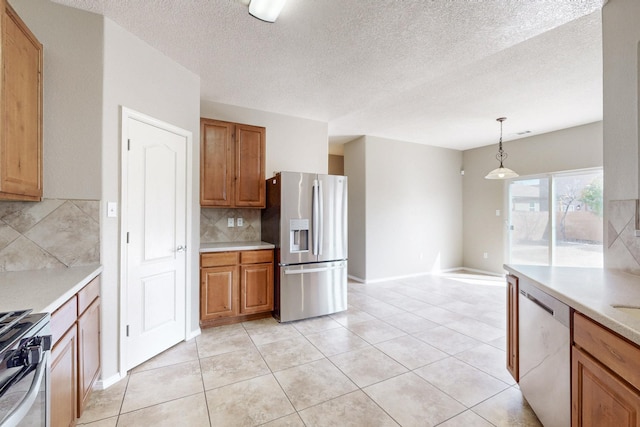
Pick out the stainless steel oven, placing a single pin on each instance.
(25, 344)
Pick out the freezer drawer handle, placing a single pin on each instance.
(314, 270)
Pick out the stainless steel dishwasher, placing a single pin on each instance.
(545, 355)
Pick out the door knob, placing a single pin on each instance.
(181, 248)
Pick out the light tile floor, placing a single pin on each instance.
(417, 352)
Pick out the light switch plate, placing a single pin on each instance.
(239, 222)
(230, 222)
(112, 209)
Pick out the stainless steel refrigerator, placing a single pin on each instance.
(306, 219)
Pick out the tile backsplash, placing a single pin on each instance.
(214, 229)
(47, 234)
(623, 247)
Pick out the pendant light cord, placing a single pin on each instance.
(501, 154)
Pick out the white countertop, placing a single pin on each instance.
(43, 291)
(591, 291)
(234, 246)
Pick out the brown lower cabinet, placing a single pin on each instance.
(513, 359)
(605, 369)
(64, 377)
(88, 352)
(235, 286)
(75, 366)
(605, 377)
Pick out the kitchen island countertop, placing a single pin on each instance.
(45, 290)
(234, 246)
(591, 291)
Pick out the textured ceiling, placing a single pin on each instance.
(436, 72)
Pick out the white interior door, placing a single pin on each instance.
(155, 221)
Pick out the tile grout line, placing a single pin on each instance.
(204, 388)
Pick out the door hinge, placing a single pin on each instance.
(127, 330)
(127, 237)
(128, 145)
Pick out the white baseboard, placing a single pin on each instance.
(475, 270)
(193, 334)
(426, 273)
(103, 383)
(386, 279)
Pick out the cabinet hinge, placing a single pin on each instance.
(127, 237)
(128, 145)
(127, 330)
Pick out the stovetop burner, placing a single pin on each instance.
(15, 324)
(10, 318)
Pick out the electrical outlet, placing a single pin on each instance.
(239, 221)
(230, 222)
(486, 255)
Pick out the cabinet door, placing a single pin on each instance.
(63, 380)
(88, 352)
(599, 397)
(256, 288)
(250, 186)
(218, 292)
(21, 127)
(216, 163)
(513, 361)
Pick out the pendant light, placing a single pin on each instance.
(501, 172)
(266, 10)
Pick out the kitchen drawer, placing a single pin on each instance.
(218, 259)
(88, 294)
(256, 257)
(63, 318)
(613, 351)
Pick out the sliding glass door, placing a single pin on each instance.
(529, 229)
(557, 219)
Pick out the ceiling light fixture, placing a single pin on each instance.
(501, 172)
(266, 10)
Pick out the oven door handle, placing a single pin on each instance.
(15, 416)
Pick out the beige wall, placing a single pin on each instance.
(412, 195)
(293, 144)
(621, 81)
(621, 34)
(355, 170)
(143, 79)
(569, 149)
(336, 164)
(92, 68)
(72, 102)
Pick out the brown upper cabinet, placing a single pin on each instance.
(21, 116)
(232, 167)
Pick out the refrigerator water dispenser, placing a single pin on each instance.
(299, 235)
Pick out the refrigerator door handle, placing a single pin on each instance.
(320, 217)
(314, 270)
(315, 216)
